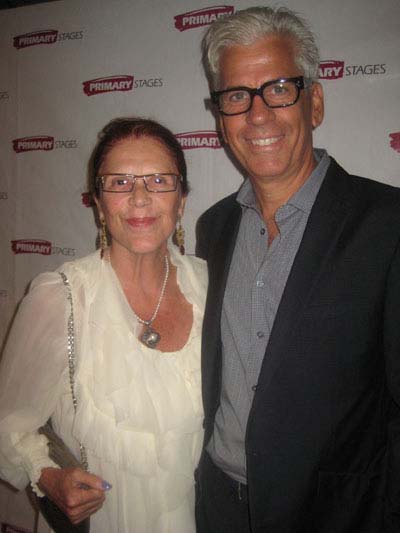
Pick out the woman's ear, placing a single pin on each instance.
(181, 208)
(99, 208)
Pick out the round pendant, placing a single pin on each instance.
(150, 337)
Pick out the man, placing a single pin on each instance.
(301, 341)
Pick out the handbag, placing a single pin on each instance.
(58, 451)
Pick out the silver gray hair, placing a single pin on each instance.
(245, 27)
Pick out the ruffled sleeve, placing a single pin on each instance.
(33, 374)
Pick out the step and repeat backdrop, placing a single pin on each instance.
(68, 67)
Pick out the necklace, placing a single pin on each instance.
(150, 337)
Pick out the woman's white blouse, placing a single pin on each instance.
(139, 410)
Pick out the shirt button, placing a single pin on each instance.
(260, 334)
(254, 388)
(260, 283)
(262, 231)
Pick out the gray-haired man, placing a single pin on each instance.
(301, 343)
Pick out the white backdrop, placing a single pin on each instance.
(68, 67)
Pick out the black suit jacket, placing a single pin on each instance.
(323, 435)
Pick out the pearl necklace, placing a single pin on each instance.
(150, 337)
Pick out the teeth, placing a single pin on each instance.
(265, 142)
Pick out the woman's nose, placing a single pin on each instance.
(140, 195)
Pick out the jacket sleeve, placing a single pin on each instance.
(392, 354)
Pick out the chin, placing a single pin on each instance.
(147, 247)
(267, 174)
(267, 168)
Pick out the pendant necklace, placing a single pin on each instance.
(150, 337)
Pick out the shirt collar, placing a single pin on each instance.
(303, 198)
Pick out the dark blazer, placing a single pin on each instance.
(323, 435)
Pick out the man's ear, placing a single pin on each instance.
(317, 104)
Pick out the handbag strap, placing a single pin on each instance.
(71, 360)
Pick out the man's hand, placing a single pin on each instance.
(76, 492)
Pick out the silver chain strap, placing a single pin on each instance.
(71, 360)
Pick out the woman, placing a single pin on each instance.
(138, 308)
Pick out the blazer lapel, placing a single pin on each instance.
(218, 263)
(323, 229)
(221, 258)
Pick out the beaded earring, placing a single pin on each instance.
(179, 237)
(103, 237)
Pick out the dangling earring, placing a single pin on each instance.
(103, 237)
(179, 237)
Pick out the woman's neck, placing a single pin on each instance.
(139, 273)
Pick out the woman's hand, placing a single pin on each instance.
(76, 492)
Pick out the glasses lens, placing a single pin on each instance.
(117, 183)
(281, 93)
(161, 182)
(235, 101)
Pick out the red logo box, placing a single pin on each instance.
(201, 17)
(31, 246)
(35, 38)
(331, 69)
(28, 144)
(108, 84)
(395, 141)
(198, 139)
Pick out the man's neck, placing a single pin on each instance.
(271, 194)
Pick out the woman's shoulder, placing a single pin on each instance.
(88, 263)
(189, 263)
(196, 264)
(77, 272)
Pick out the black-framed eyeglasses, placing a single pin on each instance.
(161, 182)
(282, 92)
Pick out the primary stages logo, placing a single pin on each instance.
(4, 95)
(39, 246)
(332, 70)
(198, 139)
(395, 141)
(119, 83)
(201, 17)
(31, 246)
(41, 142)
(28, 144)
(109, 84)
(45, 37)
(35, 38)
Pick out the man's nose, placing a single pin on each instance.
(259, 112)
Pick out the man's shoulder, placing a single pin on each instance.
(364, 189)
(213, 221)
(220, 209)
